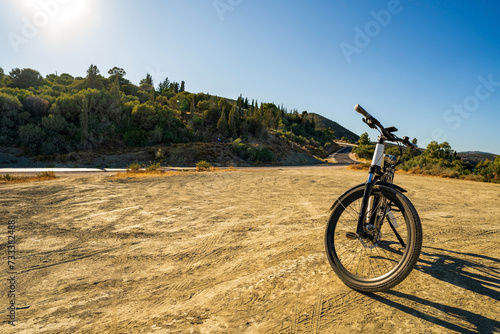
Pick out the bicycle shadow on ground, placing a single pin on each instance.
(474, 272)
(449, 317)
(477, 273)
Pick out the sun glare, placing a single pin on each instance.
(59, 22)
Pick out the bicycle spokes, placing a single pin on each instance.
(375, 259)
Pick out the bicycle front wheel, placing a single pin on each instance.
(389, 250)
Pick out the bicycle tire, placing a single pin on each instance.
(382, 262)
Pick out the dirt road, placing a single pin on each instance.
(237, 252)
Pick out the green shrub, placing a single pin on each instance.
(135, 137)
(203, 165)
(31, 137)
(47, 175)
(262, 154)
(241, 150)
(153, 167)
(247, 152)
(364, 151)
(145, 116)
(300, 139)
(159, 155)
(7, 177)
(134, 166)
(489, 171)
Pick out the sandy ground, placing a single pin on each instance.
(237, 252)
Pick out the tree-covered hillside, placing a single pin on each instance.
(437, 159)
(59, 114)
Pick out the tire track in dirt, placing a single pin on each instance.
(207, 247)
(301, 198)
(243, 253)
(322, 315)
(295, 324)
(162, 302)
(317, 310)
(76, 258)
(119, 271)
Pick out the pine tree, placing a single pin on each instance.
(164, 85)
(117, 74)
(364, 139)
(148, 80)
(183, 87)
(92, 76)
(2, 77)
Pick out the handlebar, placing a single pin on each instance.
(373, 123)
(362, 111)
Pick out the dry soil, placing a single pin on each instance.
(237, 252)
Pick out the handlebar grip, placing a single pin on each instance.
(362, 111)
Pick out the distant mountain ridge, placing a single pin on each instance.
(475, 157)
(322, 123)
(477, 152)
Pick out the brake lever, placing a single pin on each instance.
(369, 123)
(408, 143)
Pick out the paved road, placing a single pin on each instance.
(111, 171)
(342, 156)
(59, 170)
(337, 159)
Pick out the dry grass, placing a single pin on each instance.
(362, 166)
(45, 176)
(137, 174)
(145, 174)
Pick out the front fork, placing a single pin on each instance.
(367, 204)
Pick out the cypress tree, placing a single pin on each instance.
(84, 124)
(233, 122)
(222, 125)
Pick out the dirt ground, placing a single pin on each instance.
(237, 252)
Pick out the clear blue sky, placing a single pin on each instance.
(430, 69)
